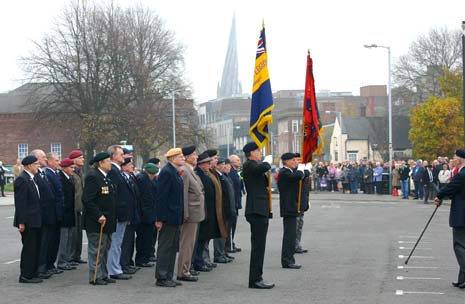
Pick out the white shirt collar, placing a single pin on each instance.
(117, 166)
(103, 172)
(30, 174)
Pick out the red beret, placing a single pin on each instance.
(66, 163)
(75, 154)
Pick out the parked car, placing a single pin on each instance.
(9, 174)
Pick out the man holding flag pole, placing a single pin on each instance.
(258, 203)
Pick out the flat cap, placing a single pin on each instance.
(75, 154)
(188, 150)
(173, 152)
(28, 160)
(287, 156)
(460, 153)
(154, 160)
(211, 152)
(66, 162)
(100, 156)
(151, 168)
(203, 158)
(251, 146)
(126, 161)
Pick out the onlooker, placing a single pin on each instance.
(444, 176)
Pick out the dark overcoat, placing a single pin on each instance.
(27, 202)
(256, 185)
(147, 198)
(125, 196)
(288, 185)
(455, 190)
(68, 201)
(170, 200)
(208, 228)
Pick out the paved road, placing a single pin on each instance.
(354, 244)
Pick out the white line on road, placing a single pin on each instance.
(417, 267)
(408, 236)
(416, 257)
(412, 242)
(9, 217)
(402, 292)
(400, 278)
(331, 206)
(410, 248)
(11, 262)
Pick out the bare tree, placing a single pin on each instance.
(419, 69)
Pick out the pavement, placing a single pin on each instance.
(357, 247)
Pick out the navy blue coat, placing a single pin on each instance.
(455, 190)
(68, 201)
(147, 198)
(57, 189)
(256, 184)
(47, 199)
(27, 202)
(238, 186)
(125, 195)
(170, 200)
(288, 185)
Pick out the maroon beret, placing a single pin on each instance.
(75, 154)
(66, 163)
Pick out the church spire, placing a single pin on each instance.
(230, 85)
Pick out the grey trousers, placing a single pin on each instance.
(76, 237)
(168, 238)
(218, 247)
(64, 251)
(300, 225)
(102, 271)
(458, 236)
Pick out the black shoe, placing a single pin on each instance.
(300, 250)
(194, 272)
(133, 268)
(146, 265)
(293, 266)
(165, 283)
(44, 275)
(121, 276)
(55, 270)
(459, 284)
(237, 249)
(222, 260)
(188, 278)
(211, 265)
(129, 271)
(80, 261)
(261, 285)
(229, 256)
(153, 259)
(66, 267)
(73, 264)
(176, 282)
(32, 280)
(98, 282)
(229, 250)
(204, 268)
(109, 280)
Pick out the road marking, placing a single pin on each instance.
(11, 262)
(401, 278)
(412, 242)
(402, 292)
(9, 217)
(410, 248)
(408, 236)
(331, 206)
(416, 267)
(416, 257)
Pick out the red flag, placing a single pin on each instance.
(312, 141)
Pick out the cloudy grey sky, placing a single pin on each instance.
(334, 31)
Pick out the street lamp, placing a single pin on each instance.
(174, 117)
(389, 107)
(463, 68)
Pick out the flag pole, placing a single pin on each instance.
(270, 198)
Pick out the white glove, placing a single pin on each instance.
(308, 166)
(301, 168)
(268, 159)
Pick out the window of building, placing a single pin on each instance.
(336, 156)
(23, 150)
(56, 148)
(352, 156)
(295, 126)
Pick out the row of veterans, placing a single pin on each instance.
(193, 200)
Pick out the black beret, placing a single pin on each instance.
(100, 156)
(297, 154)
(221, 160)
(211, 152)
(227, 161)
(127, 151)
(30, 159)
(460, 153)
(127, 160)
(251, 146)
(154, 160)
(203, 158)
(188, 150)
(287, 156)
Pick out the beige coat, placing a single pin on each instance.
(194, 200)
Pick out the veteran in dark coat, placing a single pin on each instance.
(288, 185)
(28, 219)
(257, 210)
(455, 190)
(170, 209)
(99, 204)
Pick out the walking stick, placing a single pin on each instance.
(413, 249)
(98, 251)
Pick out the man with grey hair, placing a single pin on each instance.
(456, 191)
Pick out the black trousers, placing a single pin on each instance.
(154, 241)
(53, 247)
(232, 232)
(258, 231)
(168, 240)
(30, 238)
(144, 242)
(127, 247)
(289, 237)
(458, 237)
(46, 241)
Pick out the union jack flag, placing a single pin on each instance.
(260, 47)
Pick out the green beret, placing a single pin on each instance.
(100, 156)
(151, 168)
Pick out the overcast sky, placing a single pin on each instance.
(334, 31)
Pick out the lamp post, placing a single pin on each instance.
(389, 107)
(174, 118)
(463, 69)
